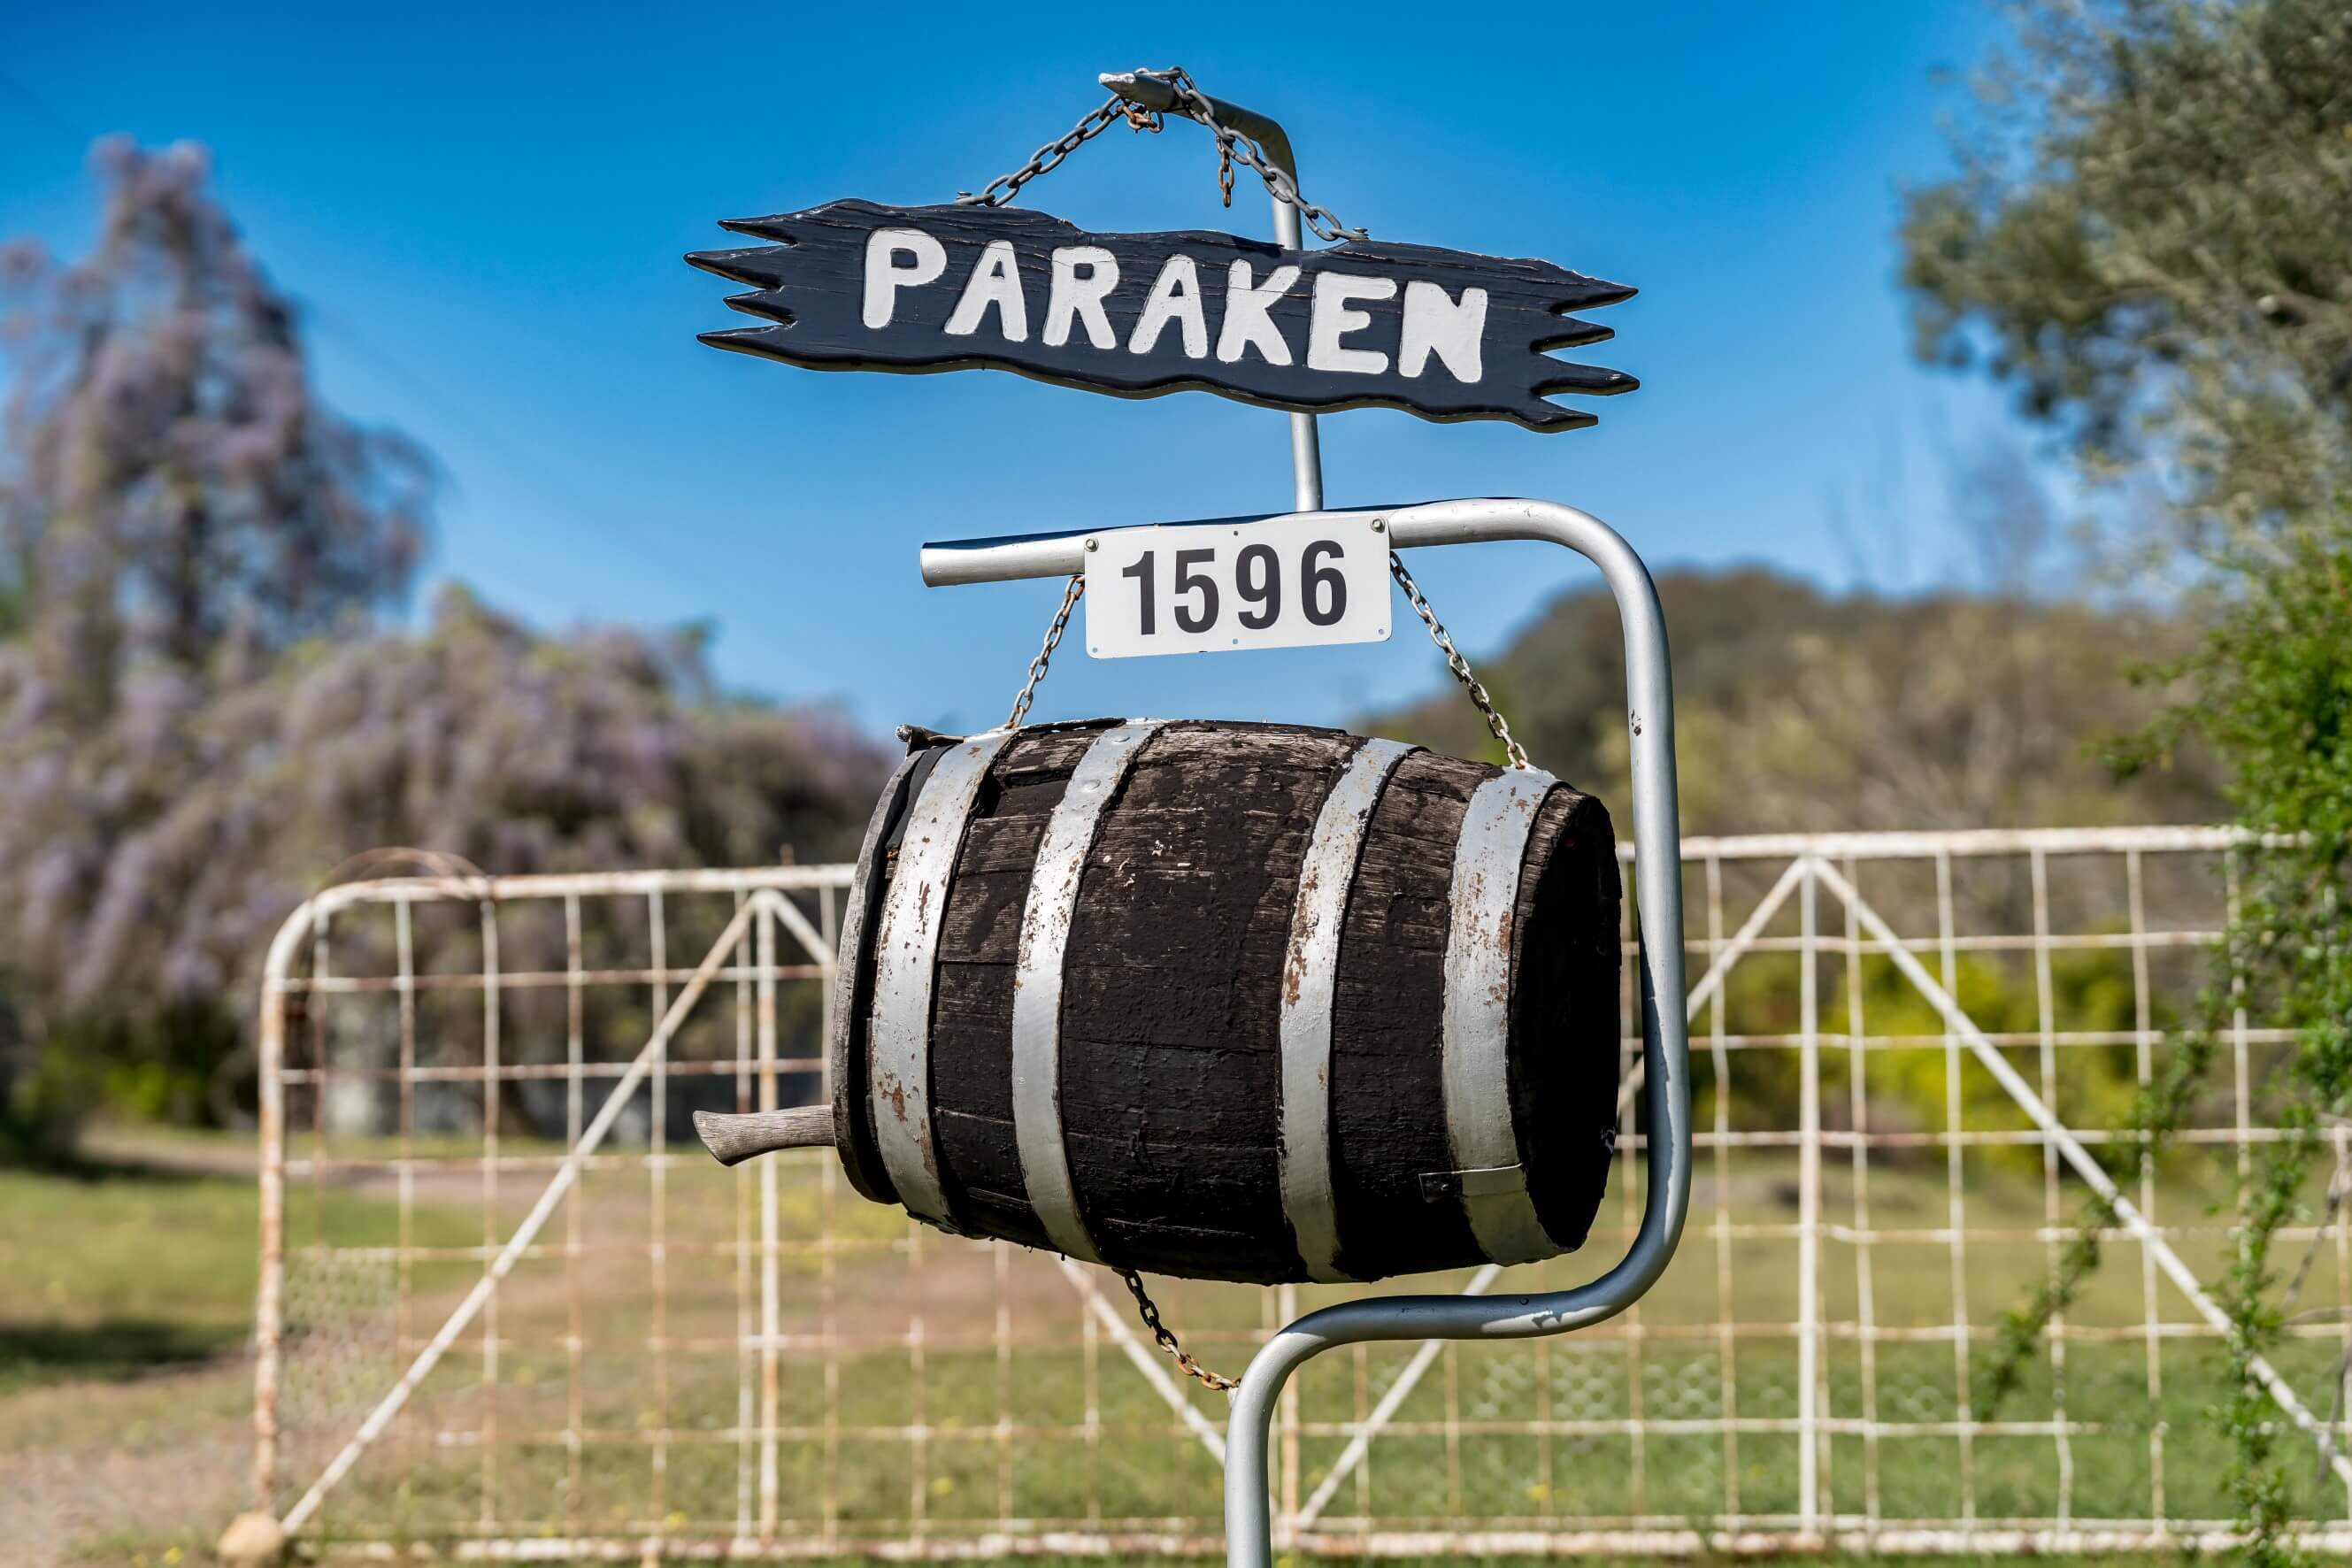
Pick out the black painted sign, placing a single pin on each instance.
(1443, 333)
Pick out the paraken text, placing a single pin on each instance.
(990, 298)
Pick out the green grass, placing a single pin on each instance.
(891, 1445)
(113, 1270)
(107, 1273)
(1834, 1559)
(116, 1273)
(126, 1301)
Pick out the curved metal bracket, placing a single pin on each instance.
(1665, 1045)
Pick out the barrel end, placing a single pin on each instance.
(733, 1140)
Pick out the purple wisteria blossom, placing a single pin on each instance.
(203, 705)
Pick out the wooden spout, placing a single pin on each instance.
(735, 1139)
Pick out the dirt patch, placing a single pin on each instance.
(161, 1461)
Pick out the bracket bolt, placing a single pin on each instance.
(1379, 525)
(1093, 544)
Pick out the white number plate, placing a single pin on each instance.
(1218, 587)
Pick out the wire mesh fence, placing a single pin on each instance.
(560, 1323)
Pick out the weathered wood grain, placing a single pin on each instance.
(972, 1003)
(1388, 1092)
(735, 1138)
(1565, 974)
(814, 286)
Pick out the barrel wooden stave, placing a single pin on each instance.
(1171, 1073)
(1387, 1083)
(972, 1006)
(1171, 1069)
(861, 1159)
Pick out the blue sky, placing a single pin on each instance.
(483, 208)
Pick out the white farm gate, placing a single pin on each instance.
(509, 1310)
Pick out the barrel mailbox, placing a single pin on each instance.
(1245, 1002)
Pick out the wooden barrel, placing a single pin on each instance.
(1231, 1001)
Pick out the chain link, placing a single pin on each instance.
(1233, 147)
(1145, 1306)
(1045, 654)
(1046, 159)
(1149, 1310)
(1456, 663)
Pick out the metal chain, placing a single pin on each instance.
(1232, 147)
(1143, 1301)
(1045, 159)
(1045, 654)
(1456, 663)
(1149, 1310)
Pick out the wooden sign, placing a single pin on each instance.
(1442, 333)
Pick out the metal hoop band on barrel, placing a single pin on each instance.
(1045, 918)
(1310, 973)
(1489, 1177)
(906, 944)
(846, 1072)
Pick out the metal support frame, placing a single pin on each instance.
(1666, 1051)
(1657, 869)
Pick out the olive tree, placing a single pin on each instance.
(2149, 237)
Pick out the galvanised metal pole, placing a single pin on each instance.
(1154, 92)
(1657, 871)
(1665, 1048)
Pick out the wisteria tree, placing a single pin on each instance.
(202, 707)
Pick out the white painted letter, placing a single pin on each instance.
(995, 281)
(1247, 324)
(885, 278)
(1333, 319)
(1435, 324)
(1080, 296)
(1176, 297)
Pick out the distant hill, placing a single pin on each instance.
(1802, 711)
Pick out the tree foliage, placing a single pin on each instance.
(2151, 238)
(202, 707)
(178, 492)
(2148, 237)
(1797, 710)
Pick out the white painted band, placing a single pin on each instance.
(906, 953)
(1310, 974)
(1045, 918)
(1478, 1035)
(848, 1001)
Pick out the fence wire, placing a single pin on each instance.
(541, 1314)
